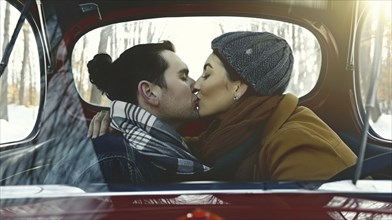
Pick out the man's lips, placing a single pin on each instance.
(197, 105)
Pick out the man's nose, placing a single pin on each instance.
(192, 81)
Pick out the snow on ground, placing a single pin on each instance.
(383, 127)
(21, 123)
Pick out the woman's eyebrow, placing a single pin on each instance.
(207, 65)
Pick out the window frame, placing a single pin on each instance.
(43, 60)
(360, 104)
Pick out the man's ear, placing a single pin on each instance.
(149, 92)
(240, 90)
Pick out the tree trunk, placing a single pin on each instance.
(82, 68)
(104, 37)
(96, 95)
(4, 77)
(25, 63)
(150, 32)
(127, 31)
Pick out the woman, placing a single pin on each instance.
(242, 86)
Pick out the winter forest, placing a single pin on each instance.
(192, 38)
(20, 83)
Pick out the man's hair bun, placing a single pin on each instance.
(99, 68)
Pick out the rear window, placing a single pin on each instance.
(192, 38)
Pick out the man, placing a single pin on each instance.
(173, 103)
(151, 96)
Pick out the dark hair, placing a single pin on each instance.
(119, 80)
(232, 75)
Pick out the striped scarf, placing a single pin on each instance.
(153, 138)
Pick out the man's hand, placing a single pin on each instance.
(99, 125)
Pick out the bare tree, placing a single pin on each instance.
(127, 29)
(137, 32)
(150, 32)
(4, 77)
(25, 64)
(134, 31)
(81, 69)
(31, 92)
(104, 38)
(96, 95)
(221, 28)
(254, 27)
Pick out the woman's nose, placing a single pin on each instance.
(196, 86)
(192, 83)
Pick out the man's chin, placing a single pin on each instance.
(195, 115)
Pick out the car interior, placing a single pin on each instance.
(333, 80)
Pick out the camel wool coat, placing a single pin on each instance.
(296, 145)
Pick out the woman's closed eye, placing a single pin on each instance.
(206, 70)
(205, 75)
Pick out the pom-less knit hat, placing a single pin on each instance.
(263, 60)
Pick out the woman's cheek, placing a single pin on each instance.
(203, 104)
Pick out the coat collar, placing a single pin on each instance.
(284, 110)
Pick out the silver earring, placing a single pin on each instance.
(235, 98)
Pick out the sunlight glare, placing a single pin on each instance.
(380, 7)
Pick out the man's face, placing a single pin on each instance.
(177, 102)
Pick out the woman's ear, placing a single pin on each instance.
(240, 90)
(149, 92)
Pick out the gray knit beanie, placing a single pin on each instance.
(263, 60)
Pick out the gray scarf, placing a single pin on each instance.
(153, 138)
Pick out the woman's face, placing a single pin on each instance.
(215, 91)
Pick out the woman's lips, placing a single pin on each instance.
(196, 103)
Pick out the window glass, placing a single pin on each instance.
(20, 82)
(192, 38)
(375, 56)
